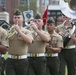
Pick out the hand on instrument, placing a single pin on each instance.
(73, 37)
(33, 25)
(48, 48)
(17, 28)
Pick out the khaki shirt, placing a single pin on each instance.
(17, 46)
(56, 40)
(38, 45)
(66, 32)
(3, 37)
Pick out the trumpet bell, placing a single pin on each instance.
(68, 8)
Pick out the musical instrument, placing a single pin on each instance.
(5, 26)
(12, 31)
(68, 8)
(72, 5)
(29, 25)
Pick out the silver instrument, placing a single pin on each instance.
(68, 8)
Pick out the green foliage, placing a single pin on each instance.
(32, 6)
(22, 8)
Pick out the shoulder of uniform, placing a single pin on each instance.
(59, 25)
(2, 29)
(59, 36)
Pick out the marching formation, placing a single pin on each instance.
(34, 51)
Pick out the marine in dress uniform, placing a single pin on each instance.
(3, 48)
(19, 39)
(67, 55)
(6, 27)
(36, 51)
(53, 47)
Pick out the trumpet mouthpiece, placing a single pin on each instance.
(18, 23)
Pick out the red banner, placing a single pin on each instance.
(45, 16)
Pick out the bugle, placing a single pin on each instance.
(12, 31)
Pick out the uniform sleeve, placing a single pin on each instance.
(4, 40)
(60, 42)
(45, 32)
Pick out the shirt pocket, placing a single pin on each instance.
(54, 41)
(19, 36)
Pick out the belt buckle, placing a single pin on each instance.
(49, 54)
(67, 47)
(33, 55)
(15, 57)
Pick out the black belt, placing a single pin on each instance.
(68, 49)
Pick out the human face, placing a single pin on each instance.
(39, 23)
(18, 19)
(50, 27)
(66, 18)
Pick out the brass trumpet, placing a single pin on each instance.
(12, 31)
(29, 26)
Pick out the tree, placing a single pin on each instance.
(33, 6)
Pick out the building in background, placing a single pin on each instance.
(4, 15)
(53, 9)
(11, 5)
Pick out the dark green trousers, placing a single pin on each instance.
(67, 57)
(52, 67)
(16, 66)
(37, 66)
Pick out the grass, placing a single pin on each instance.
(66, 71)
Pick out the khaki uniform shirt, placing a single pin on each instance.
(38, 45)
(3, 37)
(17, 46)
(66, 32)
(56, 40)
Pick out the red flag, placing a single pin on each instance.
(45, 16)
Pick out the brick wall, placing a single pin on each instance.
(11, 5)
